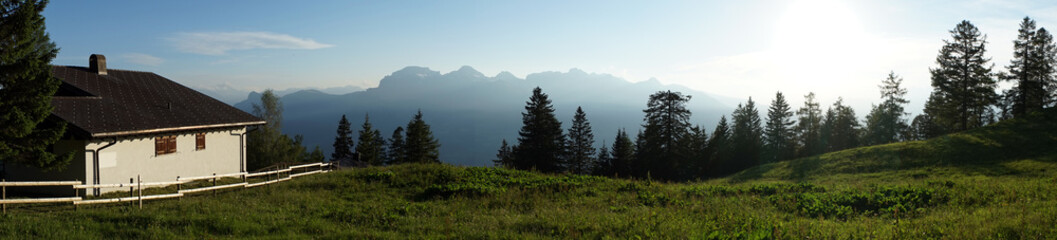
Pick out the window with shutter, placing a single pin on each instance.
(164, 145)
(200, 141)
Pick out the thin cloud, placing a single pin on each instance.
(143, 59)
(219, 43)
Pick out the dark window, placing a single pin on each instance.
(164, 145)
(200, 141)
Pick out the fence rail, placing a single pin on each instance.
(274, 176)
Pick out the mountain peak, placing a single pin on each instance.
(466, 72)
(506, 76)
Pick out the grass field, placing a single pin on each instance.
(994, 182)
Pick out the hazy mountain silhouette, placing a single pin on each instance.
(231, 95)
(470, 113)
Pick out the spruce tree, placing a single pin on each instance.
(420, 146)
(603, 165)
(505, 156)
(719, 150)
(369, 150)
(841, 128)
(26, 88)
(809, 128)
(964, 89)
(778, 135)
(343, 142)
(622, 154)
(541, 144)
(580, 145)
(383, 149)
(667, 121)
(1031, 70)
(695, 154)
(396, 147)
(747, 136)
(885, 123)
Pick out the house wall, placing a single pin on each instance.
(72, 172)
(135, 156)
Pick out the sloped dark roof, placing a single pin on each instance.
(131, 102)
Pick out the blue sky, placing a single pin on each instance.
(731, 48)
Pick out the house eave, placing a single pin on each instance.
(174, 129)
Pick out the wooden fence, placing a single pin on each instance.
(136, 187)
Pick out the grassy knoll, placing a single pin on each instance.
(995, 182)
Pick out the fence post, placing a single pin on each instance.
(131, 190)
(214, 184)
(178, 184)
(4, 197)
(77, 193)
(139, 185)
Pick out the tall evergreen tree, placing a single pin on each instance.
(841, 128)
(719, 149)
(26, 88)
(383, 147)
(778, 135)
(747, 136)
(667, 121)
(695, 154)
(603, 165)
(541, 143)
(369, 150)
(1031, 70)
(964, 89)
(809, 128)
(397, 144)
(420, 146)
(623, 154)
(580, 145)
(885, 123)
(505, 156)
(343, 142)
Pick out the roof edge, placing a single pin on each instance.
(160, 130)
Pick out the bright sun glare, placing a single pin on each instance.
(815, 41)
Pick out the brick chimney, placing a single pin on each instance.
(97, 64)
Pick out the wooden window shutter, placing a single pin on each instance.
(172, 144)
(200, 141)
(159, 145)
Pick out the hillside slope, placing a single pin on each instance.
(1005, 148)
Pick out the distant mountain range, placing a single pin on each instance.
(470, 113)
(230, 95)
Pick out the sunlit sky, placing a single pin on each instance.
(729, 48)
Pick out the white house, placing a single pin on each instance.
(130, 123)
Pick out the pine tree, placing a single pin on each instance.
(623, 154)
(343, 142)
(541, 144)
(747, 136)
(603, 165)
(885, 123)
(505, 156)
(580, 144)
(26, 88)
(778, 134)
(667, 121)
(420, 146)
(695, 154)
(719, 149)
(383, 147)
(396, 154)
(809, 128)
(841, 128)
(963, 83)
(1031, 70)
(369, 150)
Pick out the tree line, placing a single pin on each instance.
(413, 144)
(669, 147)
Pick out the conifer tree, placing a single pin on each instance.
(623, 154)
(541, 144)
(1031, 70)
(383, 147)
(885, 123)
(580, 145)
(603, 165)
(667, 121)
(396, 153)
(369, 150)
(747, 136)
(809, 127)
(719, 149)
(695, 154)
(343, 142)
(964, 89)
(505, 156)
(841, 128)
(420, 146)
(778, 135)
(26, 88)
